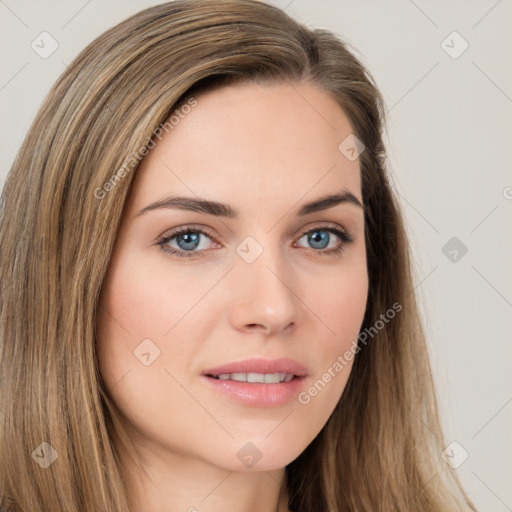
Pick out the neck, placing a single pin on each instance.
(170, 482)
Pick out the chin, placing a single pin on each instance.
(263, 453)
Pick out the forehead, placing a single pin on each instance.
(251, 142)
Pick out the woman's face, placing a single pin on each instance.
(201, 332)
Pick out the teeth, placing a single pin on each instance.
(270, 378)
(262, 378)
(258, 377)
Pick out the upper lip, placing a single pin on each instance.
(259, 365)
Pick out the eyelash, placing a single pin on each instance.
(341, 233)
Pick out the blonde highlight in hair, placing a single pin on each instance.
(380, 449)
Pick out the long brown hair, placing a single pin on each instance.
(61, 208)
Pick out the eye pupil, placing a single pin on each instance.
(319, 237)
(191, 240)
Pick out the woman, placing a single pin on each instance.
(206, 292)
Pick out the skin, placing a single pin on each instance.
(265, 150)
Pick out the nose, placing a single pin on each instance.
(264, 300)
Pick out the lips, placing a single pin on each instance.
(262, 378)
(258, 382)
(259, 366)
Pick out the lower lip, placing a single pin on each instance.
(257, 394)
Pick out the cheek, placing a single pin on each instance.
(340, 306)
(138, 306)
(339, 303)
(150, 309)
(147, 300)
(130, 311)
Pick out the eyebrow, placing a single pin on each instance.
(224, 210)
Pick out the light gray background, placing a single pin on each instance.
(450, 152)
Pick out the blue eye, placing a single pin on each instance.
(187, 241)
(319, 238)
(190, 240)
